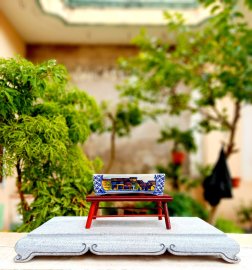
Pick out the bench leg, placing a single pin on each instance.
(160, 212)
(96, 210)
(90, 215)
(167, 218)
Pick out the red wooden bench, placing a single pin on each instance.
(161, 201)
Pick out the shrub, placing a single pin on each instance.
(227, 226)
(42, 120)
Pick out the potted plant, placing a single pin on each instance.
(183, 142)
(177, 155)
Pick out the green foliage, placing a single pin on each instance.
(213, 61)
(248, 3)
(42, 119)
(22, 83)
(183, 139)
(119, 121)
(127, 115)
(182, 205)
(60, 190)
(179, 181)
(225, 2)
(227, 226)
(122, 118)
(34, 138)
(174, 175)
(245, 214)
(185, 206)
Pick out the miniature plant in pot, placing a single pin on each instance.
(183, 142)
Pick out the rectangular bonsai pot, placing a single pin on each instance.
(152, 184)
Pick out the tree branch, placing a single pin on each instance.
(222, 119)
(218, 118)
(24, 205)
(112, 143)
(1, 163)
(231, 145)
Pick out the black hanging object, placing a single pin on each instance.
(218, 184)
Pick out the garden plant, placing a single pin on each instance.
(196, 70)
(43, 119)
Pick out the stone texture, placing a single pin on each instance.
(126, 236)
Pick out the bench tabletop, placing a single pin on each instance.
(138, 197)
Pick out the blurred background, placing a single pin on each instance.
(89, 37)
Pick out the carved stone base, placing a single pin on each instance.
(126, 236)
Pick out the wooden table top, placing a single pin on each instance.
(132, 198)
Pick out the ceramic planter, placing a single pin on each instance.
(236, 182)
(178, 157)
(129, 183)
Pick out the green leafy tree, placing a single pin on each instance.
(182, 140)
(42, 120)
(213, 61)
(226, 2)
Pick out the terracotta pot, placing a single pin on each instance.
(236, 182)
(178, 157)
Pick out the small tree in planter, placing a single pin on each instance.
(42, 120)
(183, 141)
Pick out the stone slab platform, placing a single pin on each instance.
(126, 236)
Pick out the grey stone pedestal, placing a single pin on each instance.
(126, 236)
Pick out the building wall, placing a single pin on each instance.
(11, 44)
(94, 69)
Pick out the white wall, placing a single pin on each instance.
(10, 41)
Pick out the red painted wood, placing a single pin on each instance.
(139, 198)
(161, 201)
(130, 208)
(96, 210)
(133, 215)
(160, 210)
(166, 216)
(91, 214)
